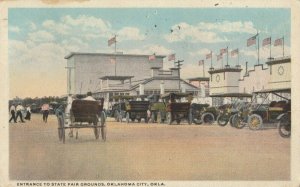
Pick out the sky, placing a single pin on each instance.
(40, 38)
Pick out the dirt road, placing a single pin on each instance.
(147, 152)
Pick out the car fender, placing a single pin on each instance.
(280, 116)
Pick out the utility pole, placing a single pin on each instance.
(178, 64)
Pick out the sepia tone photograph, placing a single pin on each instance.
(147, 96)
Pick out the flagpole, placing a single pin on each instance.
(227, 57)
(270, 47)
(211, 59)
(283, 46)
(257, 48)
(116, 55)
(203, 69)
(238, 58)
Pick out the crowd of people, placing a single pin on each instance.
(18, 113)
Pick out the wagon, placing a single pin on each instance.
(84, 114)
(176, 109)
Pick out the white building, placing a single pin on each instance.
(84, 69)
(161, 81)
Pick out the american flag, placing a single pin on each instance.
(208, 56)
(219, 57)
(278, 42)
(152, 57)
(201, 62)
(234, 52)
(222, 51)
(251, 41)
(266, 41)
(171, 57)
(112, 41)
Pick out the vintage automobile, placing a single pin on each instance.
(82, 114)
(131, 108)
(117, 111)
(227, 111)
(178, 110)
(203, 113)
(284, 125)
(157, 109)
(265, 114)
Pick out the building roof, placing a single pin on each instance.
(116, 77)
(282, 90)
(232, 95)
(226, 69)
(281, 60)
(110, 54)
(199, 79)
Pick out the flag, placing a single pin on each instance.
(234, 52)
(251, 41)
(171, 57)
(222, 51)
(152, 57)
(278, 42)
(201, 62)
(266, 41)
(208, 56)
(112, 41)
(219, 57)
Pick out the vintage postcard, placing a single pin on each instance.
(156, 93)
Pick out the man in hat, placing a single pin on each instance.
(89, 97)
(19, 109)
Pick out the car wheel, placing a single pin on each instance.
(255, 122)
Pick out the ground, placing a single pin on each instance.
(141, 151)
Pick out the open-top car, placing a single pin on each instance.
(178, 107)
(266, 113)
(157, 109)
(203, 113)
(131, 108)
(227, 111)
(272, 113)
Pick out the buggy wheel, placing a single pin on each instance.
(222, 120)
(96, 131)
(127, 117)
(255, 122)
(63, 137)
(208, 118)
(103, 126)
(60, 126)
(284, 127)
(169, 118)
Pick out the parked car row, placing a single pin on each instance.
(177, 107)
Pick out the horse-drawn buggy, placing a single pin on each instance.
(177, 109)
(82, 114)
